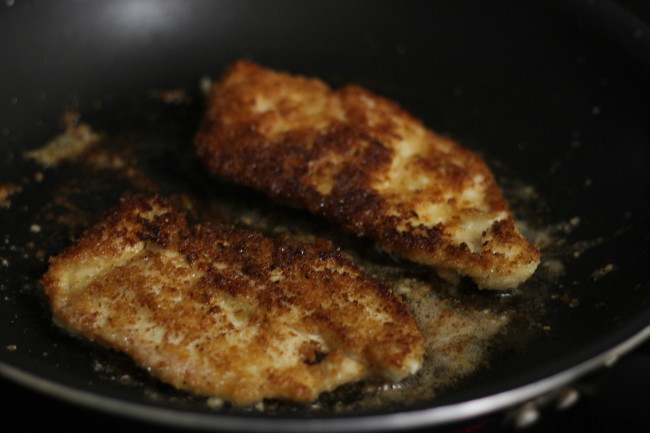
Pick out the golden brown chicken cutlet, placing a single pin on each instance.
(224, 312)
(363, 162)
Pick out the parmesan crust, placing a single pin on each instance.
(363, 162)
(229, 313)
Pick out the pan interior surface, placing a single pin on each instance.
(555, 96)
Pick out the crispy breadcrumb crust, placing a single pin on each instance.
(225, 312)
(363, 162)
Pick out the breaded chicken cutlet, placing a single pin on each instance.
(229, 313)
(363, 162)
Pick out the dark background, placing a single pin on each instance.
(613, 399)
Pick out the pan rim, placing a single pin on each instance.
(427, 417)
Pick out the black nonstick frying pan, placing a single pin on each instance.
(554, 94)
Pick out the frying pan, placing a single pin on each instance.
(554, 94)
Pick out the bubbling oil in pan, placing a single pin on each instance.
(150, 151)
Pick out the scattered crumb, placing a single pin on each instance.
(6, 191)
(574, 303)
(74, 141)
(153, 395)
(599, 273)
(125, 379)
(554, 266)
(542, 239)
(98, 366)
(171, 96)
(70, 118)
(11, 347)
(35, 228)
(549, 236)
(214, 402)
(205, 86)
(580, 247)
